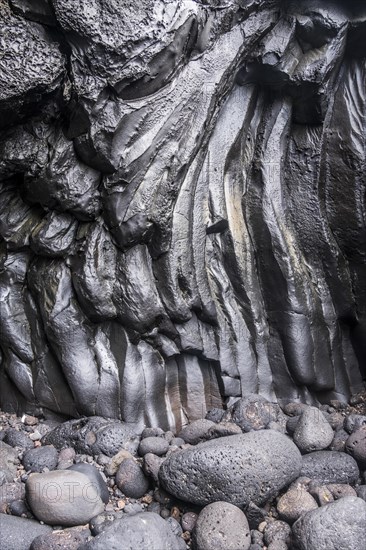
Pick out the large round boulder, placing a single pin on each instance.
(238, 469)
(335, 526)
(63, 497)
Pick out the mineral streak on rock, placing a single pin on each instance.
(182, 212)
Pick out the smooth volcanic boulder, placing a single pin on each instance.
(137, 531)
(330, 467)
(338, 525)
(221, 526)
(313, 432)
(18, 533)
(236, 469)
(131, 480)
(63, 497)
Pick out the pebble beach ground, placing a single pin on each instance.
(249, 478)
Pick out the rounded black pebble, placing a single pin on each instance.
(131, 480)
(35, 460)
(277, 530)
(215, 415)
(15, 438)
(155, 445)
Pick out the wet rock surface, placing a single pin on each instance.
(164, 248)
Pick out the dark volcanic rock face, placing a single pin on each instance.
(182, 214)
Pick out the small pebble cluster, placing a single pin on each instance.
(252, 477)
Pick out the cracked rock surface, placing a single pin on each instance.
(182, 205)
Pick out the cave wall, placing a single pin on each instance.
(182, 204)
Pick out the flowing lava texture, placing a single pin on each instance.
(182, 205)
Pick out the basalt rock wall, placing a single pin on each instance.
(182, 204)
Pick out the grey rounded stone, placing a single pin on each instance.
(277, 531)
(356, 446)
(330, 467)
(361, 492)
(196, 431)
(18, 533)
(67, 454)
(255, 515)
(152, 432)
(336, 420)
(174, 526)
(291, 424)
(353, 422)
(67, 539)
(254, 412)
(8, 461)
(95, 477)
(17, 438)
(313, 432)
(339, 441)
(152, 465)
(35, 460)
(236, 469)
(294, 408)
(223, 429)
(338, 525)
(341, 490)
(221, 526)
(9, 493)
(137, 531)
(100, 522)
(155, 445)
(131, 480)
(111, 465)
(133, 508)
(215, 415)
(294, 504)
(116, 436)
(18, 508)
(63, 497)
(188, 521)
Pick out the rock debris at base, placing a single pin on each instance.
(263, 487)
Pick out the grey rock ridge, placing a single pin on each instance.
(182, 205)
